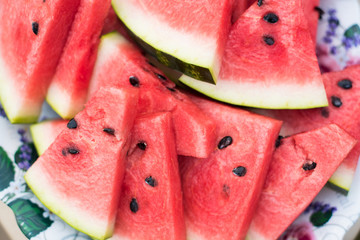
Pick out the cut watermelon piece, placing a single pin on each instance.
(220, 192)
(269, 61)
(151, 203)
(32, 36)
(343, 90)
(45, 133)
(69, 177)
(120, 64)
(185, 35)
(300, 168)
(240, 6)
(68, 90)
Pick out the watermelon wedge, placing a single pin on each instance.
(269, 61)
(120, 64)
(343, 91)
(188, 36)
(69, 177)
(68, 90)
(151, 203)
(304, 162)
(45, 133)
(32, 36)
(221, 192)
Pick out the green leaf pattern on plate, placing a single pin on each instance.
(30, 217)
(7, 171)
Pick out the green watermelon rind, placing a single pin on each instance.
(342, 179)
(48, 197)
(253, 96)
(188, 61)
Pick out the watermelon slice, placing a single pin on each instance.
(343, 90)
(68, 90)
(151, 203)
(269, 61)
(32, 36)
(220, 192)
(240, 6)
(120, 64)
(69, 177)
(185, 35)
(304, 162)
(45, 133)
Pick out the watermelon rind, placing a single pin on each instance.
(51, 199)
(17, 109)
(191, 54)
(342, 179)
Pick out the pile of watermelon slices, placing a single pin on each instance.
(136, 156)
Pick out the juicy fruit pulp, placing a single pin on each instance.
(120, 64)
(68, 90)
(69, 177)
(220, 192)
(268, 62)
(151, 203)
(304, 162)
(185, 35)
(32, 37)
(343, 91)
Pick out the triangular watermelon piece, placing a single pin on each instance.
(68, 90)
(120, 64)
(300, 168)
(79, 177)
(151, 201)
(32, 36)
(44, 133)
(188, 36)
(269, 61)
(343, 91)
(220, 192)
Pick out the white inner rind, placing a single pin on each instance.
(276, 96)
(343, 177)
(252, 234)
(16, 107)
(66, 209)
(188, 47)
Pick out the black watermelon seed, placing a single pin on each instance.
(345, 84)
(73, 151)
(110, 131)
(72, 124)
(260, 2)
(336, 102)
(320, 11)
(309, 165)
(134, 81)
(142, 145)
(151, 181)
(63, 152)
(150, 63)
(35, 28)
(278, 141)
(239, 171)
(171, 89)
(225, 142)
(268, 40)
(325, 112)
(134, 207)
(271, 18)
(161, 77)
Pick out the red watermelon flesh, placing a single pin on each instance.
(289, 188)
(221, 192)
(240, 6)
(269, 61)
(151, 203)
(120, 64)
(344, 110)
(68, 90)
(32, 36)
(79, 176)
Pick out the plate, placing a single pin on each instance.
(329, 216)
